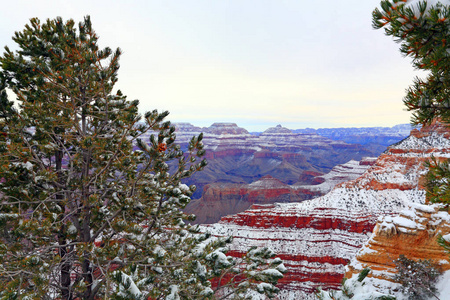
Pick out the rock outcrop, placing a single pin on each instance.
(339, 174)
(236, 156)
(317, 238)
(412, 233)
(237, 160)
(219, 199)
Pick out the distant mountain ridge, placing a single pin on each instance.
(373, 138)
(237, 158)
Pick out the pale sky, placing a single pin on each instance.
(255, 63)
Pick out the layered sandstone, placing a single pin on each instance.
(412, 233)
(318, 237)
(219, 199)
(341, 173)
(238, 157)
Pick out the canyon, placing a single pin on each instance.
(317, 238)
(295, 166)
(220, 199)
(236, 156)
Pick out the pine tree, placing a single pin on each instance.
(83, 212)
(423, 31)
(437, 187)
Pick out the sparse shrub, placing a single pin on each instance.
(354, 288)
(418, 278)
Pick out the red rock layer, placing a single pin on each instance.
(413, 233)
(306, 241)
(318, 237)
(319, 218)
(223, 199)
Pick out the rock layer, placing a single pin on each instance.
(317, 237)
(412, 233)
(236, 156)
(220, 199)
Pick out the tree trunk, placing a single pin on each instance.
(65, 262)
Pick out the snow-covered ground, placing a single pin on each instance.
(389, 186)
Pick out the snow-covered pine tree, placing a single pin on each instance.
(354, 288)
(423, 31)
(83, 214)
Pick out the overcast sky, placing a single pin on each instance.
(255, 63)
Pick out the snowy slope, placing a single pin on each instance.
(318, 237)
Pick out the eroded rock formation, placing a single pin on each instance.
(412, 233)
(221, 199)
(238, 157)
(318, 237)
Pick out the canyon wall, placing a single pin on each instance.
(317, 238)
(412, 233)
(221, 199)
(239, 163)
(235, 156)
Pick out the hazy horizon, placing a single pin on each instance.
(262, 129)
(253, 63)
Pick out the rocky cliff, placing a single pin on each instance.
(237, 159)
(236, 156)
(221, 199)
(412, 233)
(318, 237)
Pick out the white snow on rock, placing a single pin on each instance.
(340, 173)
(389, 186)
(416, 218)
(443, 286)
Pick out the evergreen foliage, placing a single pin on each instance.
(423, 32)
(444, 241)
(418, 278)
(354, 288)
(85, 215)
(437, 187)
